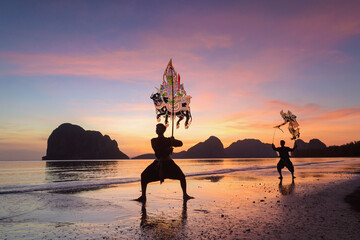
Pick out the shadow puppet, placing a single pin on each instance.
(286, 189)
(160, 227)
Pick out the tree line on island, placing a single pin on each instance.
(72, 142)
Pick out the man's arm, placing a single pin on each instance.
(295, 147)
(273, 147)
(175, 142)
(153, 144)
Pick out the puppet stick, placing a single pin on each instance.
(274, 135)
(172, 112)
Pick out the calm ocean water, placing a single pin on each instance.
(29, 176)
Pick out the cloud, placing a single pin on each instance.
(120, 65)
(310, 108)
(337, 115)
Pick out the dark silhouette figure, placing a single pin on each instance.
(163, 166)
(284, 158)
(286, 189)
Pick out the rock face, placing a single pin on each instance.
(249, 148)
(72, 142)
(314, 148)
(313, 144)
(211, 148)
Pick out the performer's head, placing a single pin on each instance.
(160, 128)
(282, 143)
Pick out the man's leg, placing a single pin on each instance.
(175, 172)
(183, 187)
(280, 165)
(291, 169)
(144, 184)
(148, 175)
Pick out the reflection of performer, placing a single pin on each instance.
(287, 189)
(160, 227)
(163, 167)
(284, 158)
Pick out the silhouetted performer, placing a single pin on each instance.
(284, 158)
(163, 167)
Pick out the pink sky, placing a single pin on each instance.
(241, 63)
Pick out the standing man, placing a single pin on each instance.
(284, 158)
(163, 167)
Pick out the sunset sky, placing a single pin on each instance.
(96, 63)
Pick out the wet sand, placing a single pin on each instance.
(251, 205)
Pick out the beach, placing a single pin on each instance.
(232, 201)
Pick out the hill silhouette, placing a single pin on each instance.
(351, 149)
(247, 148)
(211, 148)
(72, 142)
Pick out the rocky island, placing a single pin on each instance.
(72, 142)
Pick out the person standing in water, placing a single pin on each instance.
(163, 166)
(284, 158)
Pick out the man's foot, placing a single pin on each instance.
(187, 197)
(293, 177)
(140, 199)
(280, 177)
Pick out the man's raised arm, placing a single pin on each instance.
(295, 147)
(175, 142)
(273, 147)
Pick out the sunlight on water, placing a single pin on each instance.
(25, 176)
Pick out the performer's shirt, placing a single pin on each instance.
(284, 152)
(163, 146)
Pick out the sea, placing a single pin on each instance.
(32, 176)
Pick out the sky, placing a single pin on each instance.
(96, 63)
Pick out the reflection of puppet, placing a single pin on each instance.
(293, 124)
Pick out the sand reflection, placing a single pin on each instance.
(162, 227)
(286, 189)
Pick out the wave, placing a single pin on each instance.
(76, 185)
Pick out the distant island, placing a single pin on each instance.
(347, 150)
(72, 142)
(254, 148)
